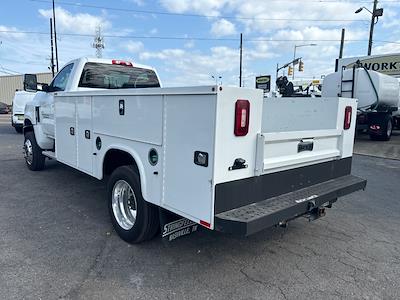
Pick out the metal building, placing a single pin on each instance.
(10, 83)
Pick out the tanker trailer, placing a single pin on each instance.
(378, 98)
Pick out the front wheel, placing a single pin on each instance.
(33, 154)
(134, 219)
(18, 129)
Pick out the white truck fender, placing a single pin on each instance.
(42, 140)
(138, 161)
(30, 113)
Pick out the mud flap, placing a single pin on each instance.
(174, 226)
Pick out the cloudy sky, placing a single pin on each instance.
(188, 41)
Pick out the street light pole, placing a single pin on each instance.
(55, 35)
(294, 57)
(294, 53)
(371, 30)
(376, 13)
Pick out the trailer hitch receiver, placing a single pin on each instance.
(316, 213)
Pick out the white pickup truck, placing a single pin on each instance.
(220, 157)
(18, 109)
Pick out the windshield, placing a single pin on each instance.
(107, 76)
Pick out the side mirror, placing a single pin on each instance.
(30, 82)
(45, 87)
(48, 88)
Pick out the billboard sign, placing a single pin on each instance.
(264, 83)
(385, 64)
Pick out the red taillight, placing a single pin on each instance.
(375, 127)
(242, 116)
(347, 117)
(122, 63)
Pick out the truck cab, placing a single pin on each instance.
(82, 74)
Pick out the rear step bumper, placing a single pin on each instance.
(254, 217)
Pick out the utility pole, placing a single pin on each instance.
(98, 43)
(376, 13)
(371, 30)
(51, 47)
(55, 35)
(342, 43)
(241, 60)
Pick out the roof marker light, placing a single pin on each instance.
(122, 63)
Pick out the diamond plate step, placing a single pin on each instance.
(254, 217)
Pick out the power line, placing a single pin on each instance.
(195, 38)
(152, 12)
(7, 71)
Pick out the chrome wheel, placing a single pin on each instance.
(28, 152)
(124, 205)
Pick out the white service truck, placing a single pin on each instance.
(18, 109)
(175, 158)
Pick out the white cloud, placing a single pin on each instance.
(154, 31)
(223, 27)
(204, 7)
(77, 23)
(164, 54)
(12, 32)
(134, 46)
(139, 2)
(387, 48)
(191, 67)
(189, 44)
(186, 67)
(390, 20)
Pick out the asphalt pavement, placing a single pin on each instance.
(385, 149)
(56, 242)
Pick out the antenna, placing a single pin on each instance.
(98, 43)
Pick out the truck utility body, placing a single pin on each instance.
(221, 157)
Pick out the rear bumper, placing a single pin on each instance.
(257, 216)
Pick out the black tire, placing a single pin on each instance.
(37, 161)
(396, 122)
(147, 220)
(386, 124)
(18, 129)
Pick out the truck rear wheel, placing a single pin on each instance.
(134, 219)
(33, 154)
(386, 129)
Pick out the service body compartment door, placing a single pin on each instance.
(65, 132)
(189, 127)
(84, 134)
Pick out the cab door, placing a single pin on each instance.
(58, 84)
